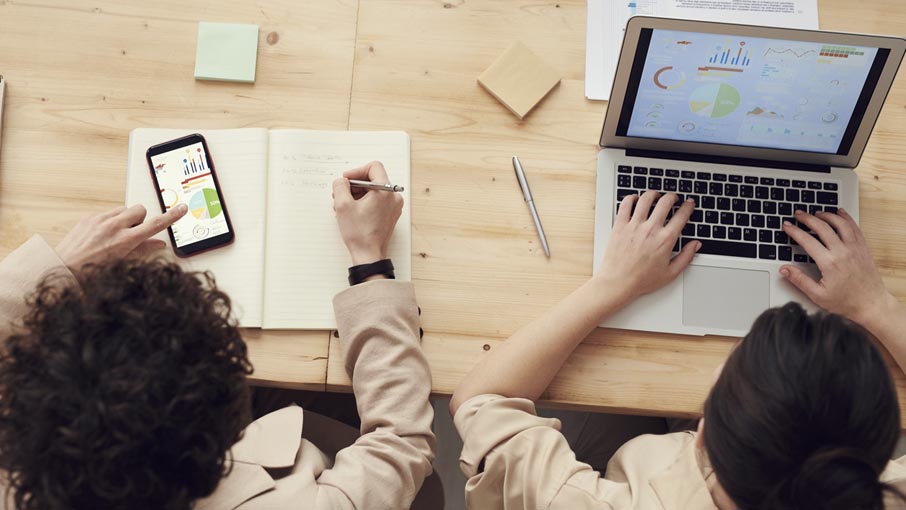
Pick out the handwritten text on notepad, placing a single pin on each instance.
(311, 171)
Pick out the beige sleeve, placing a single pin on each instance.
(516, 460)
(895, 472)
(378, 327)
(20, 273)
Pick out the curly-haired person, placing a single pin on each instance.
(123, 381)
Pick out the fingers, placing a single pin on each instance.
(824, 231)
(132, 216)
(802, 281)
(681, 217)
(159, 223)
(148, 247)
(682, 260)
(625, 212)
(358, 173)
(342, 193)
(644, 206)
(376, 172)
(812, 246)
(662, 208)
(112, 213)
(373, 172)
(843, 227)
(857, 230)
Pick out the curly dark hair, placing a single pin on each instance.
(124, 390)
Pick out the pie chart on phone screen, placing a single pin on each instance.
(205, 204)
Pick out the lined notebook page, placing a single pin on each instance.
(306, 261)
(240, 159)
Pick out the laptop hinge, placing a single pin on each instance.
(724, 160)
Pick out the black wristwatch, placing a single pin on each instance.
(358, 274)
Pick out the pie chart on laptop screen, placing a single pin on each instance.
(714, 100)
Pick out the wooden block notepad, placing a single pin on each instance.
(288, 259)
(519, 79)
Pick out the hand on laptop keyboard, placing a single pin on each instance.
(850, 283)
(639, 255)
(736, 215)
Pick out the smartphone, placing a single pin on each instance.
(183, 172)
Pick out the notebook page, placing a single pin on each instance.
(305, 260)
(240, 160)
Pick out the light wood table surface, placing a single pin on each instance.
(479, 271)
(83, 74)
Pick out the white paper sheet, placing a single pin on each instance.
(306, 260)
(607, 23)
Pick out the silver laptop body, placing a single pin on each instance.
(751, 122)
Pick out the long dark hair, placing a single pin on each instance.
(803, 416)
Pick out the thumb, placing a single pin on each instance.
(342, 193)
(682, 260)
(802, 281)
(147, 247)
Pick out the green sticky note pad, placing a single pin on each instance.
(226, 52)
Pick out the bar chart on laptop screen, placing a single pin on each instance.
(718, 88)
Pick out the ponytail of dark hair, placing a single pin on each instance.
(830, 474)
(803, 416)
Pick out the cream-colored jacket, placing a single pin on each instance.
(274, 467)
(515, 460)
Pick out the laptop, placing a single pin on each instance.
(752, 123)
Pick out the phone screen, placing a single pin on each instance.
(184, 175)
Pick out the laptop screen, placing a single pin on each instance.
(749, 91)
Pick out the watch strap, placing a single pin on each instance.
(358, 274)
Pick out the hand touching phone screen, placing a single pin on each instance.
(183, 173)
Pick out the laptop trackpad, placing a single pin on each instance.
(718, 297)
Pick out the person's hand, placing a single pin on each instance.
(850, 283)
(366, 218)
(638, 258)
(115, 234)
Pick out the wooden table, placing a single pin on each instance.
(83, 75)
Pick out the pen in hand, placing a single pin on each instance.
(375, 186)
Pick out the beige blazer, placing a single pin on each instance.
(516, 460)
(274, 467)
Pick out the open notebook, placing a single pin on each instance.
(288, 259)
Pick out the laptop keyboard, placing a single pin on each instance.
(735, 215)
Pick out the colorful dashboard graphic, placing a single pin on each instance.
(757, 92)
(185, 177)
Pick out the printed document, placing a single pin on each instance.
(607, 23)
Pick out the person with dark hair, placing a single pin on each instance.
(802, 416)
(123, 382)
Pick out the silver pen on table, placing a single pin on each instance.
(527, 194)
(375, 186)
